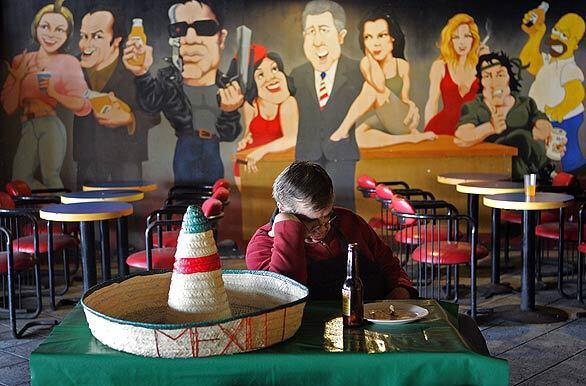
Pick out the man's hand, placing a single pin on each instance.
(132, 51)
(538, 25)
(497, 118)
(231, 97)
(115, 117)
(555, 113)
(282, 217)
(542, 130)
(399, 293)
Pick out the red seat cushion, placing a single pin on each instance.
(582, 248)
(221, 182)
(60, 242)
(411, 235)
(366, 182)
(211, 207)
(6, 202)
(516, 217)
(221, 194)
(551, 230)
(163, 258)
(18, 188)
(169, 238)
(453, 252)
(21, 261)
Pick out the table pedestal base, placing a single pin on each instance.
(541, 314)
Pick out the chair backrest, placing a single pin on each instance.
(211, 207)
(366, 182)
(6, 202)
(402, 205)
(18, 188)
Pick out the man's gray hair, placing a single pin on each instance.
(317, 7)
(304, 184)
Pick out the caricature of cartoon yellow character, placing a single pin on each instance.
(558, 89)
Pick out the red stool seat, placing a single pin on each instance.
(21, 261)
(516, 217)
(410, 235)
(60, 241)
(169, 239)
(379, 223)
(582, 248)
(453, 252)
(163, 258)
(551, 230)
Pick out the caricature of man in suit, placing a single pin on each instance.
(326, 88)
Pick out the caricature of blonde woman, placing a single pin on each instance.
(386, 88)
(271, 115)
(37, 83)
(453, 74)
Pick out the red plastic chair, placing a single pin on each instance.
(14, 263)
(436, 254)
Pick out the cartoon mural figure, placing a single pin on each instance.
(271, 115)
(499, 114)
(37, 83)
(186, 91)
(111, 143)
(558, 89)
(452, 75)
(386, 88)
(326, 87)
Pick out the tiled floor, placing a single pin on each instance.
(545, 354)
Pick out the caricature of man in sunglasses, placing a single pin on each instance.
(187, 90)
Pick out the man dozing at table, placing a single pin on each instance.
(307, 240)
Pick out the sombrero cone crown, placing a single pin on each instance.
(197, 290)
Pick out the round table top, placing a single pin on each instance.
(462, 178)
(488, 188)
(102, 196)
(143, 186)
(86, 211)
(518, 201)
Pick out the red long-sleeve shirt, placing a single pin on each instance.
(322, 266)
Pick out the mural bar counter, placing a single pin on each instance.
(418, 164)
(428, 351)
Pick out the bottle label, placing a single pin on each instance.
(346, 295)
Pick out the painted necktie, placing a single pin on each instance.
(323, 92)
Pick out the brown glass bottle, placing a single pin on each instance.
(352, 291)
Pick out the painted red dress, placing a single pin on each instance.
(263, 131)
(446, 120)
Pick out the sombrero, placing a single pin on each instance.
(195, 311)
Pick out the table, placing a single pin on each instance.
(321, 353)
(418, 164)
(488, 188)
(143, 186)
(529, 313)
(85, 214)
(119, 195)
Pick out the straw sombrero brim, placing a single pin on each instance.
(128, 315)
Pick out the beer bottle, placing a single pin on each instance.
(352, 291)
(137, 34)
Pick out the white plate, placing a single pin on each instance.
(379, 312)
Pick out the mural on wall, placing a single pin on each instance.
(557, 89)
(111, 143)
(347, 75)
(271, 114)
(37, 82)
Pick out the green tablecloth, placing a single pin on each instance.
(427, 352)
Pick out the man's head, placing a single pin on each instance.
(324, 29)
(497, 78)
(198, 26)
(305, 189)
(566, 35)
(100, 35)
